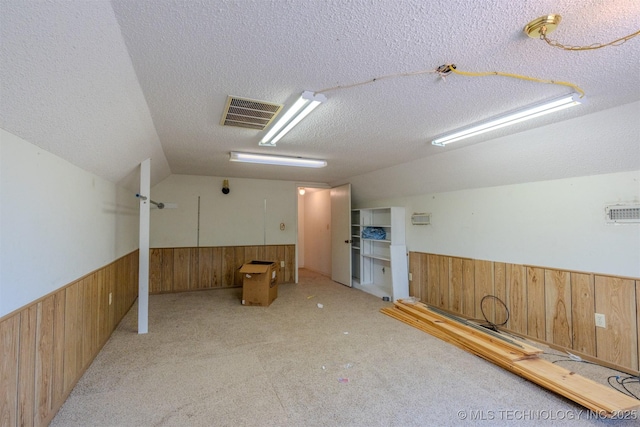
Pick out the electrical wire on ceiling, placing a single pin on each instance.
(451, 68)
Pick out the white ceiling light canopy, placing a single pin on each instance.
(267, 159)
(510, 118)
(307, 102)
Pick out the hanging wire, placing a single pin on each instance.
(452, 68)
(444, 70)
(617, 42)
(388, 76)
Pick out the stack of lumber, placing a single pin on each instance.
(513, 355)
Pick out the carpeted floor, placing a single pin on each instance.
(209, 361)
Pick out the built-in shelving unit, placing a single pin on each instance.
(379, 265)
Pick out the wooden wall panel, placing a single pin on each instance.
(443, 281)
(499, 291)
(194, 268)
(582, 313)
(216, 277)
(290, 262)
(557, 294)
(205, 268)
(469, 284)
(550, 305)
(57, 388)
(516, 297)
(536, 313)
(618, 342)
(181, 264)
(284, 273)
(239, 260)
(44, 359)
(456, 286)
(155, 271)
(9, 351)
(167, 270)
(228, 267)
(424, 278)
(271, 254)
(46, 346)
(26, 364)
(414, 275)
(483, 273)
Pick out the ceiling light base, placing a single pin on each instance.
(542, 26)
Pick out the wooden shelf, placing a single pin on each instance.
(373, 256)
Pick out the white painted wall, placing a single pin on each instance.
(57, 222)
(317, 231)
(557, 223)
(234, 219)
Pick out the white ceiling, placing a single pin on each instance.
(106, 84)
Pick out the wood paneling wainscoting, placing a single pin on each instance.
(46, 346)
(192, 269)
(550, 305)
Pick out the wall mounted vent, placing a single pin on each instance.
(422, 218)
(249, 113)
(623, 214)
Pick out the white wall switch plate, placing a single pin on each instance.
(282, 264)
(600, 321)
(410, 276)
(110, 297)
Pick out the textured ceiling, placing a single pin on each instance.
(108, 84)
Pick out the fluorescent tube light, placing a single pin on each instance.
(298, 111)
(511, 118)
(266, 159)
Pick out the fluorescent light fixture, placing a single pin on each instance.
(266, 159)
(511, 118)
(298, 111)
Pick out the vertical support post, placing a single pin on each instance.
(143, 265)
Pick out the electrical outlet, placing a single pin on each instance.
(600, 321)
(282, 264)
(410, 277)
(110, 297)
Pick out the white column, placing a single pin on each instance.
(143, 266)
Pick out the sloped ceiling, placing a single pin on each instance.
(107, 84)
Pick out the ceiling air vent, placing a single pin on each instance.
(623, 214)
(249, 113)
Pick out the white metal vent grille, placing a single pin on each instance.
(623, 214)
(422, 218)
(249, 113)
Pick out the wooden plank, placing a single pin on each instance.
(205, 268)
(535, 303)
(516, 294)
(483, 286)
(618, 342)
(468, 288)
(282, 258)
(228, 267)
(194, 268)
(290, 262)
(500, 291)
(9, 351)
(456, 293)
(638, 320)
(155, 270)
(443, 281)
(181, 263)
(110, 280)
(433, 280)
(72, 334)
(44, 359)
(57, 388)
(27, 360)
(239, 254)
(167, 270)
(87, 321)
(216, 268)
(424, 277)
(557, 295)
(582, 313)
(414, 275)
(251, 253)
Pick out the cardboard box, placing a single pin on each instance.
(259, 283)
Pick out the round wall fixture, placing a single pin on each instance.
(542, 26)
